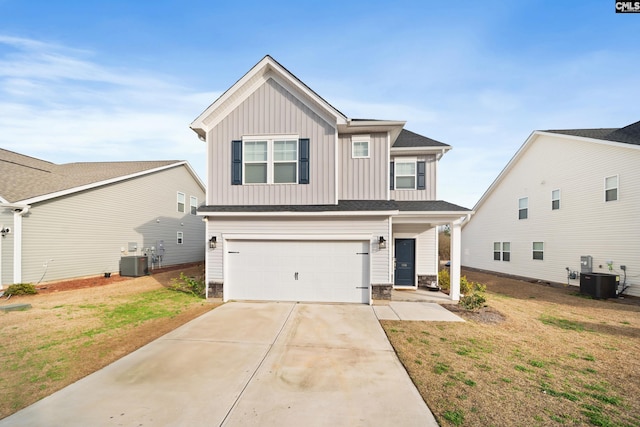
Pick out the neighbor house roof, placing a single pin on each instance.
(629, 134)
(23, 178)
(342, 206)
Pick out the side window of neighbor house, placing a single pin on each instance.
(179, 237)
(555, 200)
(360, 146)
(506, 251)
(193, 203)
(496, 251)
(538, 250)
(611, 188)
(181, 201)
(523, 208)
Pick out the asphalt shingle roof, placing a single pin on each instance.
(343, 206)
(23, 177)
(629, 134)
(412, 139)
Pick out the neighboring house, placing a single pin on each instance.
(305, 204)
(564, 195)
(79, 219)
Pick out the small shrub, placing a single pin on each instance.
(473, 299)
(444, 280)
(188, 285)
(21, 289)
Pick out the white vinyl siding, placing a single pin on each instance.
(611, 188)
(584, 224)
(272, 110)
(96, 236)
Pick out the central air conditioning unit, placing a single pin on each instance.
(134, 266)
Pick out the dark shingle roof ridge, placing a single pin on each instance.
(629, 134)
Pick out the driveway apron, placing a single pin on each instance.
(262, 364)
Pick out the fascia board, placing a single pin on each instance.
(68, 191)
(439, 151)
(592, 140)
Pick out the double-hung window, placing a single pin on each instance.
(555, 200)
(181, 201)
(502, 251)
(360, 146)
(611, 188)
(538, 250)
(523, 208)
(270, 160)
(405, 174)
(193, 204)
(496, 251)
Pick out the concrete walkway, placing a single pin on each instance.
(248, 364)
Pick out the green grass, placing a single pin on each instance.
(561, 323)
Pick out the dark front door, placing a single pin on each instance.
(405, 253)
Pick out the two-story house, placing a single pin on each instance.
(306, 204)
(568, 202)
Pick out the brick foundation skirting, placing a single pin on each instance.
(427, 281)
(215, 290)
(381, 291)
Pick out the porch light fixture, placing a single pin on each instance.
(382, 243)
(212, 242)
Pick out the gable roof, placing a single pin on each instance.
(628, 135)
(411, 139)
(27, 179)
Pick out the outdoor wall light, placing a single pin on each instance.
(212, 242)
(382, 243)
(5, 231)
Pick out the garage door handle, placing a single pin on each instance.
(296, 275)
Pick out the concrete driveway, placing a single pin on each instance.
(248, 364)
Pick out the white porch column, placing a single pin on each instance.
(17, 246)
(454, 270)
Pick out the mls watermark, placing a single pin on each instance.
(628, 7)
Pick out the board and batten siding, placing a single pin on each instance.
(6, 248)
(426, 245)
(584, 225)
(429, 193)
(83, 234)
(272, 110)
(364, 178)
(375, 226)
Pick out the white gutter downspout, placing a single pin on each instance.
(18, 213)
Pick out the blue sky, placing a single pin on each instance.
(88, 80)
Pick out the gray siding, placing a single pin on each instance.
(364, 179)
(584, 225)
(271, 109)
(376, 226)
(83, 234)
(429, 193)
(6, 248)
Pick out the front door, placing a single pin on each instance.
(405, 253)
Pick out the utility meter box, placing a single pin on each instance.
(586, 264)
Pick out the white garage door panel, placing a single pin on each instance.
(327, 271)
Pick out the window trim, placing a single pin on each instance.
(360, 139)
(184, 202)
(193, 205)
(499, 251)
(179, 238)
(525, 209)
(617, 188)
(506, 252)
(553, 208)
(534, 251)
(271, 162)
(398, 160)
(496, 252)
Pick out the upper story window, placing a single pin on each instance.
(405, 172)
(555, 200)
(360, 146)
(270, 160)
(611, 188)
(181, 201)
(523, 208)
(193, 204)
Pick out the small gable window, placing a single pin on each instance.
(181, 201)
(611, 188)
(523, 208)
(360, 146)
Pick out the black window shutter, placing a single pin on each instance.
(236, 162)
(303, 161)
(391, 177)
(422, 181)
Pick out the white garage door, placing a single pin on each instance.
(319, 271)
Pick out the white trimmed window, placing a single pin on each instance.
(193, 204)
(506, 251)
(538, 250)
(555, 200)
(181, 201)
(523, 208)
(405, 174)
(502, 251)
(272, 160)
(360, 146)
(179, 238)
(496, 251)
(611, 188)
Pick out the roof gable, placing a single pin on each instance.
(24, 178)
(267, 68)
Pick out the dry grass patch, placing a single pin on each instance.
(556, 359)
(70, 334)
